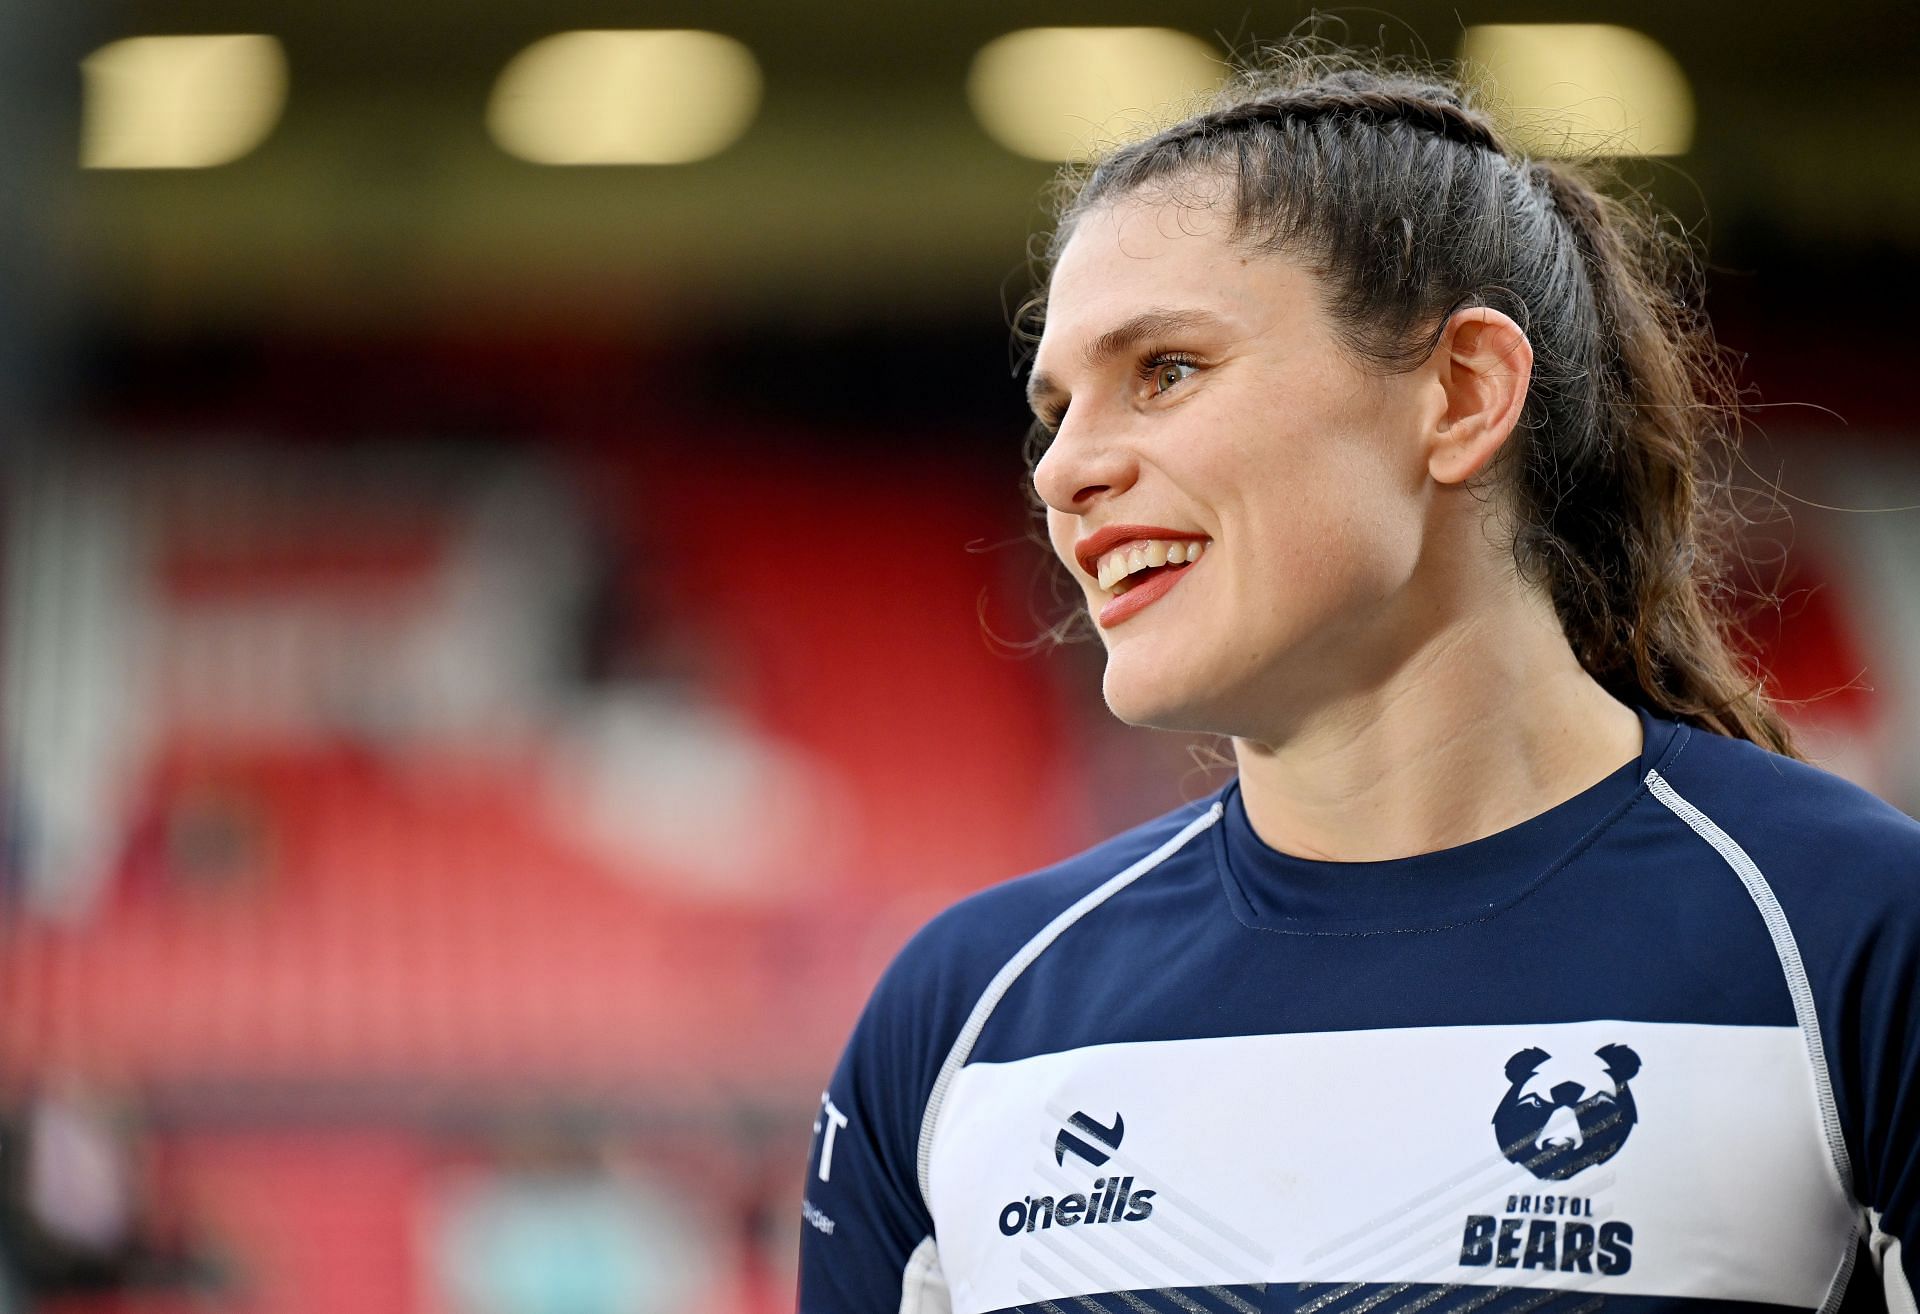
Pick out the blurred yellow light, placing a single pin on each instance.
(1059, 93)
(180, 102)
(610, 97)
(1579, 88)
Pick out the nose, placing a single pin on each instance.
(1562, 1131)
(1080, 465)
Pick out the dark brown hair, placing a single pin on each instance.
(1397, 192)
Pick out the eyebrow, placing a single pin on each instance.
(1123, 336)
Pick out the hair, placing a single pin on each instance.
(1397, 192)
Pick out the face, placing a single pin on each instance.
(1201, 407)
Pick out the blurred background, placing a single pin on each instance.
(516, 594)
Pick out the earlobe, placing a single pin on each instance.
(1482, 363)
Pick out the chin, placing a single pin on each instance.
(1155, 699)
(1175, 687)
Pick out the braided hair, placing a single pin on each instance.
(1399, 195)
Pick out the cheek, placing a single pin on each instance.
(1320, 469)
(1334, 518)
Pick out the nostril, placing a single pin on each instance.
(1089, 491)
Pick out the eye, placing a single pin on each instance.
(1532, 1102)
(1167, 370)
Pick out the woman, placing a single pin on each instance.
(1521, 966)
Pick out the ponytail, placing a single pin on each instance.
(1399, 192)
(1624, 527)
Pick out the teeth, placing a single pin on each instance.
(1113, 569)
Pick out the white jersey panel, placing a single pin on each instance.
(922, 1288)
(1649, 1159)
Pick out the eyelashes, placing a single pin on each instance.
(1159, 373)
(1156, 369)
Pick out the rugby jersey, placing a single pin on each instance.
(1657, 1048)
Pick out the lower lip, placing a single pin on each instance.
(1140, 596)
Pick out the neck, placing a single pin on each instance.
(1485, 723)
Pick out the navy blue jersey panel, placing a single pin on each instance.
(1845, 868)
(1377, 1298)
(1483, 934)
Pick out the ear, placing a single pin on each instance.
(1622, 1063)
(1525, 1064)
(1482, 364)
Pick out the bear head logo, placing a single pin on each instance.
(1564, 1115)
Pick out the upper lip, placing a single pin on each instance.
(1090, 549)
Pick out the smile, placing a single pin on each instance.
(1126, 566)
(1141, 573)
(1135, 565)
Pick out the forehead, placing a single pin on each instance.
(1136, 254)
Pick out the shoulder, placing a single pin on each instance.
(955, 956)
(1809, 818)
(1838, 858)
(920, 1008)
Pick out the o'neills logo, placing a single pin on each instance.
(1111, 1199)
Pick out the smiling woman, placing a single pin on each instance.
(1385, 451)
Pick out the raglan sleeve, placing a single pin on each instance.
(866, 1240)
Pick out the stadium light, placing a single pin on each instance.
(1060, 93)
(1582, 88)
(179, 102)
(670, 96)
